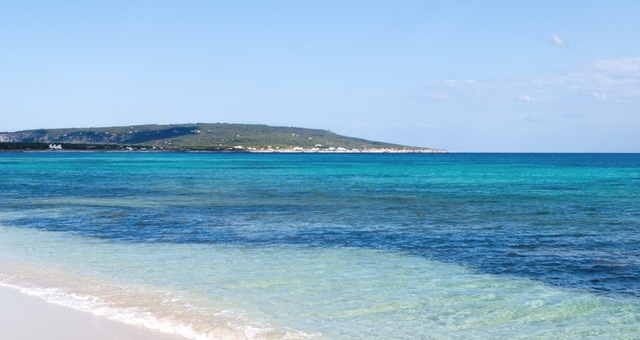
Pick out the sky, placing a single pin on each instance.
(460, 75)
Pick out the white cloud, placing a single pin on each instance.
(528, 99)
(618, 66)
(617, 80)
(558, 40)
(609, 80)
(600, 96)
(453, 82)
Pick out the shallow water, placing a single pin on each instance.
(331, 246)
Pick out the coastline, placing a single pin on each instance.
(241, 151)
(31, 318)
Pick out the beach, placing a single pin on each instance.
(28, 317)
(319, 246)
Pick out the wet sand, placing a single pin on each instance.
(28, 317)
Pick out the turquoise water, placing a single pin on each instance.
(330, 246)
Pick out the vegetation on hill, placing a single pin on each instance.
(200, 136)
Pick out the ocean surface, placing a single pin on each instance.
(330, 246)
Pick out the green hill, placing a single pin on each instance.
(200, 136)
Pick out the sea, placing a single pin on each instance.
(330, 246)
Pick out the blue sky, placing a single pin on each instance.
(510, 76)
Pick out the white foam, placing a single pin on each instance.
(93, 305)
(212, 292)
(229, 324)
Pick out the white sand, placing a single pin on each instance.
(27, 317)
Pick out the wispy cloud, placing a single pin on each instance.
(458, 82)
(528, 99)
(558, 40)
(600, 96)
(621, 66)
(524, 98)
(616, 80)
(610, 80)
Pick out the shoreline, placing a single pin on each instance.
(244, 151)
(23, 316)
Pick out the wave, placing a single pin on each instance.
(155, 309)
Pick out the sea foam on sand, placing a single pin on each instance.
(30, 318)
